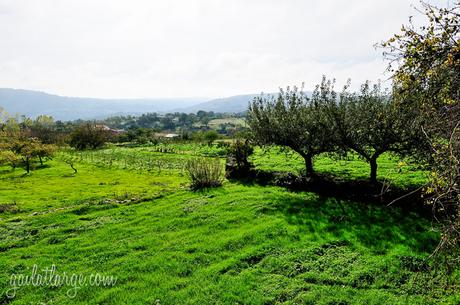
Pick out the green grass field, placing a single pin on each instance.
(128, 213)
(398, 172)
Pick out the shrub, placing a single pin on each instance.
(238, 164)
(241, 150)
(204, 173)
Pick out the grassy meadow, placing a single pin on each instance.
(215, 123)
(128, 213)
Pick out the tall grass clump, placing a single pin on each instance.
(204, 173)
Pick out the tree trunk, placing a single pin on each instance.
(308, 157)
(28, 165)
(373, 163)
(74, 169)
(41, 161)
(309, 164)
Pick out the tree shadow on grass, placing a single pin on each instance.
(377, 228)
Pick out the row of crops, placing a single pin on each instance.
(153, 158)
(216, 150)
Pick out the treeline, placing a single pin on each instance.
(174, 122)
(25, 142)
(368, 123)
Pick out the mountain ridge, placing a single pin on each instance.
(66, 108)
(33, 103)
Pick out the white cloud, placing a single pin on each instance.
(209, 48)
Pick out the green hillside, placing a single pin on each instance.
(238, 244)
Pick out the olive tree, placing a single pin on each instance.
(292, 119)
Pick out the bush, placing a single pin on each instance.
(238, 165)
(204, 173)
(241, 150)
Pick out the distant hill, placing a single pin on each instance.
(232, 104)
(34, 103)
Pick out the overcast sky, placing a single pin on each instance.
(198, 48)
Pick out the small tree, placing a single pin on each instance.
(17, 146)
(293, 120)
(45, 152)
(368, 123)
(25, 151)
(238, 164)
(241, 151)
(210, 136)
(205, 120)
(9, 158)
(70, 159)
(9, 133)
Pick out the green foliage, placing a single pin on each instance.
(237, 163)
(183, 123)
(88, 136)
(137, 135)
(426, 60)
(17, 148)
(45, 129)
(295, 121)
(28, 150)
(241, 150)
(210, 136)
(369, 123)
(9, 158)
(204, 173)
(427, 79)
